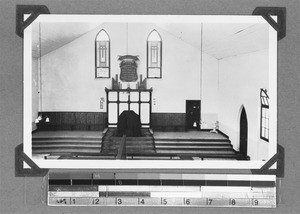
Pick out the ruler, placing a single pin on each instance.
(153, 189)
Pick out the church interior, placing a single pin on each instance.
(150, 91)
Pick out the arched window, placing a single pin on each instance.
(154, 55)
(102, 49)
(264, 115)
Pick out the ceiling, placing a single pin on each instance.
(219, 40)
(222, 40)
(56, 35)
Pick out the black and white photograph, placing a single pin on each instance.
(150, 91)
(140, 106)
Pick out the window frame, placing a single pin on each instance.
(97, 55)
(264, 106)
(160, 56)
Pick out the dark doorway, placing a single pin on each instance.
(192, 114)
(243, 132)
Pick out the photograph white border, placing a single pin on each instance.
(146, 164)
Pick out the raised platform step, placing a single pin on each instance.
(56, 142)
(143, 144)
(129, 138)
(176, 142)
(128, 150)
(184, 155)
(67, 141)
(140, 151)
(179, 145)
(191, 140)
(188, 147)
(67, 133)
(34, 137)
(195, 151)
(64, 150)
(128, 145)
(127, 141)
(190, 135)
(35, 146)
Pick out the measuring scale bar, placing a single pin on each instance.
(160, 189)
(164, 201)
(165, 196)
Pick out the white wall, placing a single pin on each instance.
(240, 80)
(35, 90)
(180, 75)
(209, 100)
(68, 73)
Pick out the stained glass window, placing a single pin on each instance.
(102, 55)
(154, 55)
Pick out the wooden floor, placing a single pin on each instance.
(190, 145)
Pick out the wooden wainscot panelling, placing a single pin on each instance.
(168, 121)
(90, 121)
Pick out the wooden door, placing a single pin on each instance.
(243, 132)
(192, 114)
